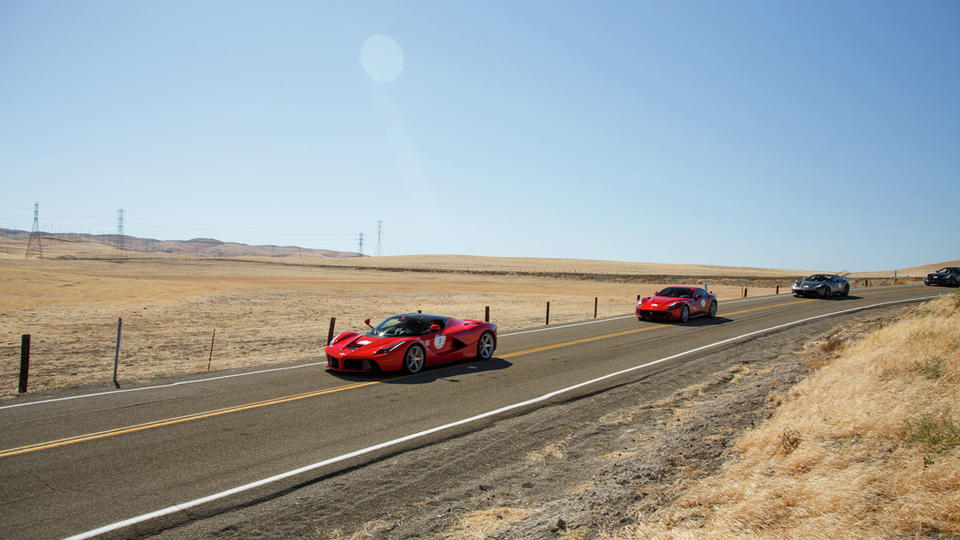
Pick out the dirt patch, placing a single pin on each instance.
(585, 468)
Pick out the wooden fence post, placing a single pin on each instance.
(595, 303)
(116, 356)
(486, 314)
(210, 360)
(547, 323)
(24, 362)
(333, 322)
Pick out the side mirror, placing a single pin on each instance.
(656, 293)
(434, 327)
(367, 322)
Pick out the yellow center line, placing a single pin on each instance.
(646, 328)
(625, 333)
(276, 401)
(177, 420)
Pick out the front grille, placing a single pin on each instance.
(332, 361)
(353, 363)
(649, 314)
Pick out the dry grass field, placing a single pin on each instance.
(277, 310)
(866, 447)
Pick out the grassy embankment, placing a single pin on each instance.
(867, 446)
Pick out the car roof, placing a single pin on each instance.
(419, 316)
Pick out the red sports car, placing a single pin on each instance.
(677, 304)
(411, 341)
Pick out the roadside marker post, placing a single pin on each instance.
(547, 323)
(24, 362)
(486, 314)
(595, 304)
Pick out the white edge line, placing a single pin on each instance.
(246, 487)
(170, 385)
(725, 302)
(271, 370)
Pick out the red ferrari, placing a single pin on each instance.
(411, 341)
(677, 304)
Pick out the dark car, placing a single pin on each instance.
(822, 285)
(948, 276)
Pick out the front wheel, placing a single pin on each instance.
(413, 359)
(846, 290)
(952, 282)
(485, 346)
(713, 309)
(684, 313)
(825, 292)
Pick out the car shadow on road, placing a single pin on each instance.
(705, 321)
(834, 298)
(448, 372)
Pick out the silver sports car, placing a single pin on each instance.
(822, 285)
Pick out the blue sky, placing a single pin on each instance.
(817, 135)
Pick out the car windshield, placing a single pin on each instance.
(677, 292)
(948, 270)
(818, 277)
(405, 325)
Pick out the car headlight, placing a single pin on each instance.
(674, 305)
(385, 350)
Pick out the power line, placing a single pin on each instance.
(34, 233)
(379, 233)
(120, 229)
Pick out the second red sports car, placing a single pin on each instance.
(677, 304)
(410, 342)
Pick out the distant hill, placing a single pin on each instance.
(204, 247)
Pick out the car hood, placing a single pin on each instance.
(662, 301)
(363, 344)
(939, 274)
(805, 283)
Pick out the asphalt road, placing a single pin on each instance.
(72, 466)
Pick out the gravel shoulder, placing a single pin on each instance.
(579, 468)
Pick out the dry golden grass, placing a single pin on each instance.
(481, 524)
(912, 272)
(269, 310)
(868, 446)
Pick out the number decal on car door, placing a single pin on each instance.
(439, 341)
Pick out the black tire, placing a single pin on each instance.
(846, 290)
(684, 313)
(485, 346)
(824, 292)
(952, 282)
(713, 309)
(414, 359)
